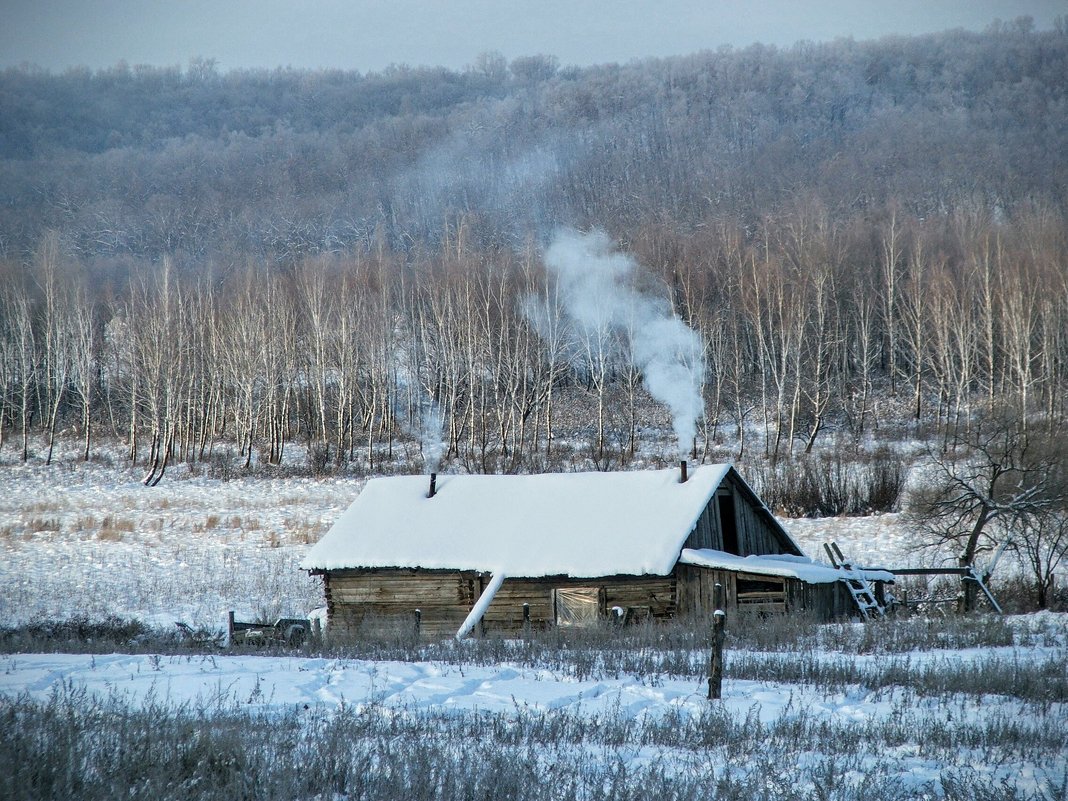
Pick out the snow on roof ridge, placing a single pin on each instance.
(580, 524)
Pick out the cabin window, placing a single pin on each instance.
(577, 607)
(727, 524)
(763, 596)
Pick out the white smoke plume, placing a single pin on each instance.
(427, 418)
(431, 427)
(599, 294)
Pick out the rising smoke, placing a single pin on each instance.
(431, 433)
(427, 419)
(599, 295)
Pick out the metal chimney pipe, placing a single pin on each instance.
(433, 485)
(682, 464)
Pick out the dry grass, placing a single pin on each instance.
(117, 524)
(111, 528)
(43, 507)
(36, 525)
(211, 522)
(302, 531)
(245, 523)
(85, 523)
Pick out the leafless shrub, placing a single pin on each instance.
(830, 485)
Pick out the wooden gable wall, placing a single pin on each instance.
(755, 532)
(758, 594)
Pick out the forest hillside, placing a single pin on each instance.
(868, 239)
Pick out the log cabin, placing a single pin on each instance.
(459, 554)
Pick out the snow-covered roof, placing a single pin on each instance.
(786, 565)
(576, 524)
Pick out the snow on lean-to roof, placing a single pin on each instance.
(787, 565)
(578, 524)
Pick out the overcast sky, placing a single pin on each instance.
(371, 34)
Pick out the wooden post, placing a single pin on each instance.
(715, 663)
(526, 618)
(230, 628)
(317, 631)
(418, 621)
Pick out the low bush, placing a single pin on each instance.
(75, 634)
(828, 485)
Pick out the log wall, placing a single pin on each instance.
(641, 596)
(358, 599)
(389, 598)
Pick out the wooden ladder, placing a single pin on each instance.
(855, 582)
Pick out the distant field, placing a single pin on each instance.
(90, 539)
(918, 708)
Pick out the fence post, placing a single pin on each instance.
(418, 621)
(715, 663)
(230, 628)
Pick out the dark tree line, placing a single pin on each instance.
(198, 164)
(863, 234)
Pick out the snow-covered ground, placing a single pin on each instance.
(79, 539)
(313, 686)
(267, 683)
(885, 540)
(90, 539)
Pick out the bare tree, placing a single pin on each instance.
(318, 310)
(158, 308)
(863, 356)
(995, 475)
(58, 349)
(891, 275)
(1042, 542)
(17, 310)
(85, 355)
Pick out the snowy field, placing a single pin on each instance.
(812, 738)
(829, 720)
(90, 539)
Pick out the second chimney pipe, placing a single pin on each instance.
(682, 465)
(433, 485)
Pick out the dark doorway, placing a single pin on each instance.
(728, 524)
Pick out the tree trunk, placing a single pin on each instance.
(969, 591)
